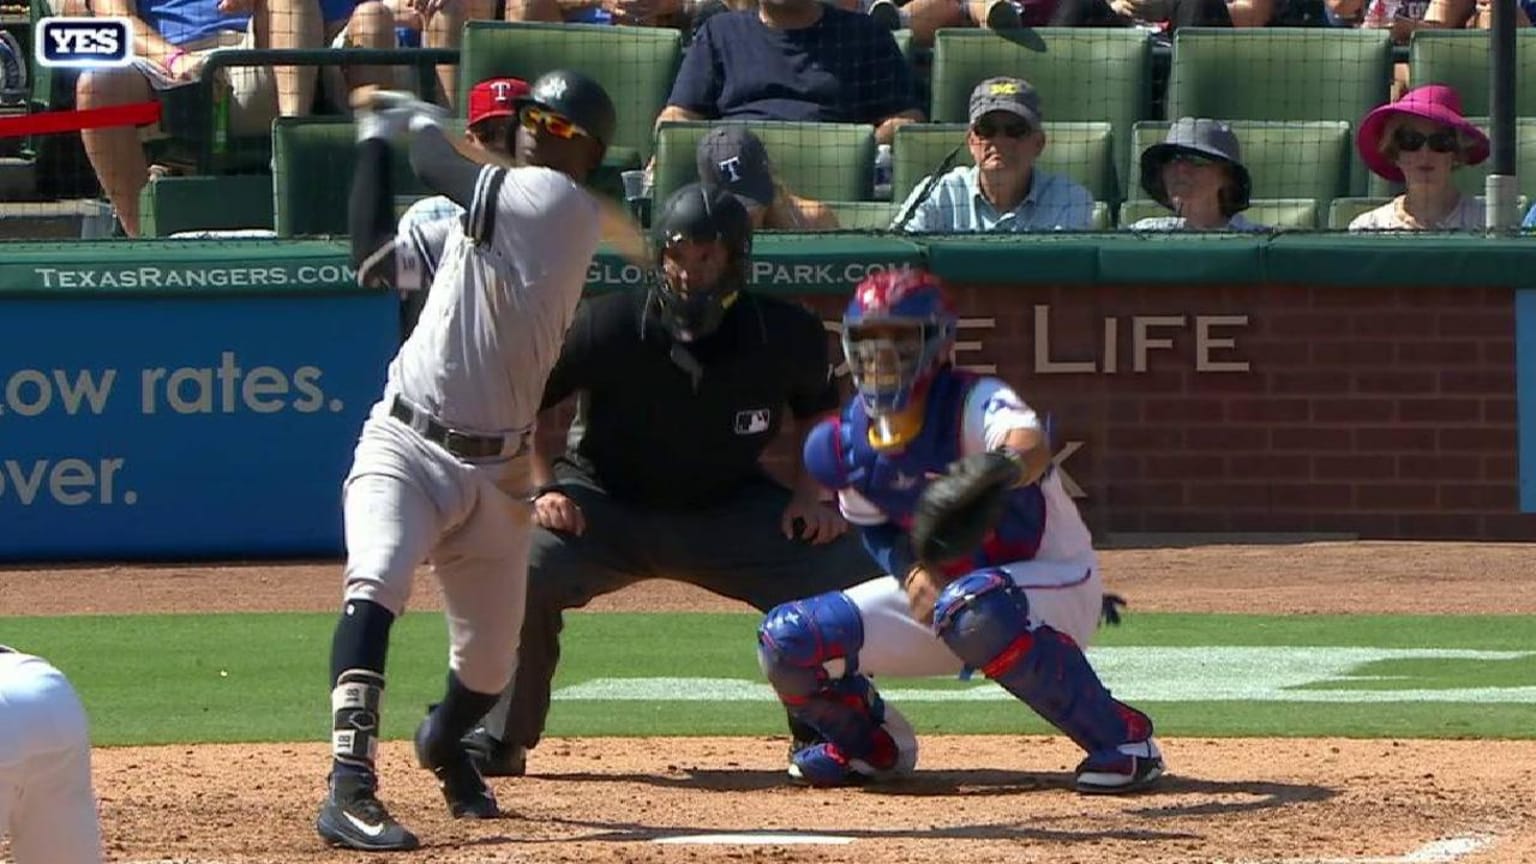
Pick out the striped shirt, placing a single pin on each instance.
(956, 205)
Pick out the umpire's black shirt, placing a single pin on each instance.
(680, 425)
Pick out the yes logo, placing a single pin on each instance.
(83, 43)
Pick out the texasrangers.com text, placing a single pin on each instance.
(187, 277)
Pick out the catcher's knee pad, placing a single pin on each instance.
(803, 644)
(808, 649)
(984, 619)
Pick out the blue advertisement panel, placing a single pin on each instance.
(183, 426)
(1525, 388)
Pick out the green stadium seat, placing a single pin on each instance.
(864, 215)
(635, 65)
(171, 205)
(314, 160)
(1291, 213)
(1082, 151)
(1460, 58)
(825, 161)
(1285, 160)
(1281, 74)
(1081, 74)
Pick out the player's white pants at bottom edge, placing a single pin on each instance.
(1067, 596)
(46, 803)
(405, 501)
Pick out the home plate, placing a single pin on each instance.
(765, 838)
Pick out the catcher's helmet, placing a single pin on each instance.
(891, 371)
(577, 97)
(703, 214)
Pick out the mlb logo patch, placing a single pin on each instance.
(752, 422)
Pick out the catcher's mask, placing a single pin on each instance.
(703, 242)
(898, 331)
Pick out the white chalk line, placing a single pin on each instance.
(1442, 851)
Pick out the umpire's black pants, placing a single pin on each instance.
(734, 548)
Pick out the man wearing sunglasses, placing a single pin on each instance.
(442, 468)
(1002, 191)
(679, 391)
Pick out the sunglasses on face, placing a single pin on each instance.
(555, 124)
(1409, 141)
(1192, 160)
(992, 128)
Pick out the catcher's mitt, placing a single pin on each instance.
(957, 510)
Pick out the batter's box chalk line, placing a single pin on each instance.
(1444, 851)
(756, 838)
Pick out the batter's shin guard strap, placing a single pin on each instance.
(984, 619)
(355, 705)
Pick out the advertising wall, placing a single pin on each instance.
(1525, 358)
(183, 427)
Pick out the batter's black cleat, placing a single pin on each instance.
(463, 788)
(492, 757)
(353, 817)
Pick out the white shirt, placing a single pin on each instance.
(1466, 216)
(503, 295)
(992, 410)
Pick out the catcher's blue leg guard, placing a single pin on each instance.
(984, 619)
(808, 649)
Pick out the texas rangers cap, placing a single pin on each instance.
(732, 158)
(495, 97)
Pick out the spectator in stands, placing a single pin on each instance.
(173, 39)
(1403, 17)
(1420, 140)
(796, 60)
(1003, 191)
(1197, 172)
(1160, 15)
(431, 24)
(925, 17)
(733, 158)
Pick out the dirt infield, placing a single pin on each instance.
(976, 799)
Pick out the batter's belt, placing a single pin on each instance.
(464, 445)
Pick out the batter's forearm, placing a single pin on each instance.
(370, 216)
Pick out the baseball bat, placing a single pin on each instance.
(617, 227)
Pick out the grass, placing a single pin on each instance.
(191, 678)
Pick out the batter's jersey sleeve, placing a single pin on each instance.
(992, 410)
(420, 239)
(535, 217)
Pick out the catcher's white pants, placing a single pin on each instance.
(1067, 596)
(405, 501)
(46, 803)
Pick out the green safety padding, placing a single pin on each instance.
(1082, 74)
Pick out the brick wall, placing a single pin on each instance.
(1385, 412)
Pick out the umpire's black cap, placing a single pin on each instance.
(700, 212)
(577, 97)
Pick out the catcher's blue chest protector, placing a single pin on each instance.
(894, 480)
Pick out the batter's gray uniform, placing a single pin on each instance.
(502, 297)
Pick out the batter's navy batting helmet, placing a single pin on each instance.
(702, 214)
(578, 98)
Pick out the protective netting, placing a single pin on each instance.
(929, 116)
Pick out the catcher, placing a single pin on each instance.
(948, 478)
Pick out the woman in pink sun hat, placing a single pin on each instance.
(1419, 141)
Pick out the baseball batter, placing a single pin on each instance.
(441, 469)
(46, 802)
(1019, 610)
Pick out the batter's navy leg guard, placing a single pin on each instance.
(808, 649)
(440, 750)
(359, 649)
(984, 619)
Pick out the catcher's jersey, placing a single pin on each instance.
(502, 296)
(964, 415)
